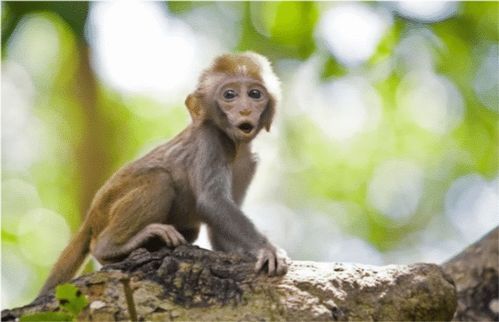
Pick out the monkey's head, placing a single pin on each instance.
(239, 93)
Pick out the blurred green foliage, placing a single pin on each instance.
(79, 129)
(71, 303)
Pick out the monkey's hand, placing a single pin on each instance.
(275, 258)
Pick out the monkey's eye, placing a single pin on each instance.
(254, 93)
(229, 94)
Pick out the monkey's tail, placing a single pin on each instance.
(70, 259)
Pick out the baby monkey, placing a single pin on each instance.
(200, 176)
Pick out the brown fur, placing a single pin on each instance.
(201, 175)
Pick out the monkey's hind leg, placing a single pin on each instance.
(106, 250)
(137, 218)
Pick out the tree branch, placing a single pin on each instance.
(475, 272)
(190, 283)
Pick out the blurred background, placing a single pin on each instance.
(384, 149)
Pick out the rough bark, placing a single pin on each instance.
(475, 272)
(194, 284)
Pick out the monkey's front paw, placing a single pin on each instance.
(275, 258)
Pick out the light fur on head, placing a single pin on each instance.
(247, 64)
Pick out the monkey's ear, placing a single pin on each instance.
(192, 103)
(268, 115)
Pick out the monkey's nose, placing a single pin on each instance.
(245, 112)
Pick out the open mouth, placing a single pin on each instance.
(246, 127)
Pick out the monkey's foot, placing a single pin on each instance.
(167, 233)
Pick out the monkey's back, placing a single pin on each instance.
(171, 160)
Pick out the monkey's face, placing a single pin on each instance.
(242, 101)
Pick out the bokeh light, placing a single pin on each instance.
(20, 127)
(427, 11)
(36, 46)
(18, 276)
(431, 101)
(486, 84)
(141, 48)
(472, 204)
(36, 244)
(350, 105)
(351, 31)
(416, 50)
(18, 197)
(396, 187)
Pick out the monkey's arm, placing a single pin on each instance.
(230, 229)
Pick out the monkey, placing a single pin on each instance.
(199, 176)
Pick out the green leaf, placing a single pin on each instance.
(46, 316)
(70, 298)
